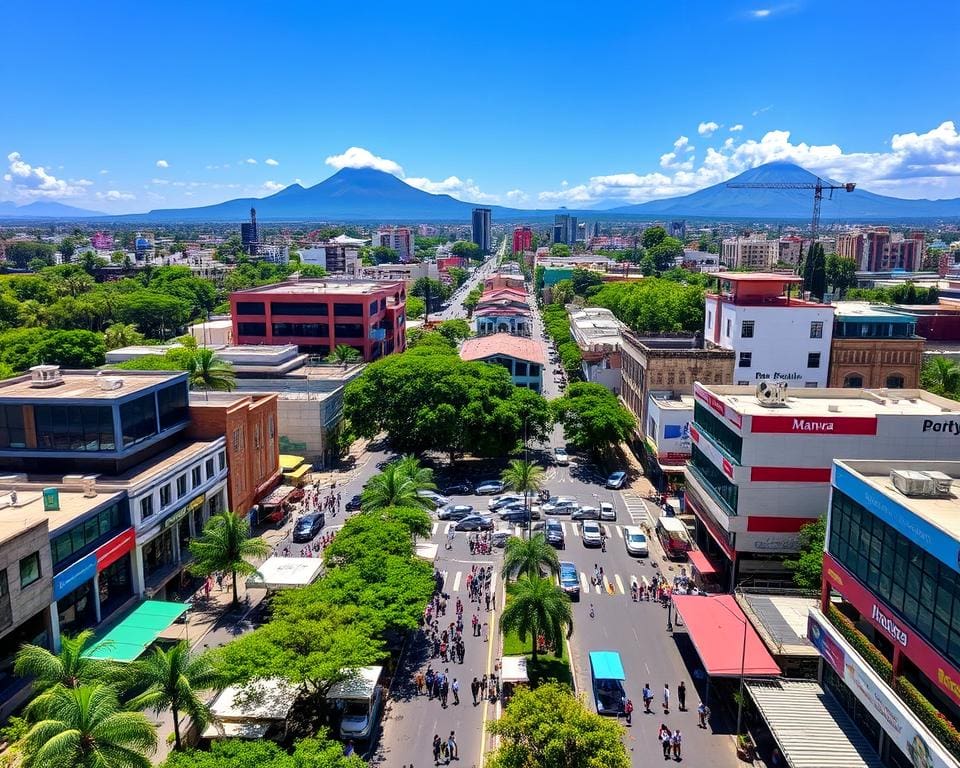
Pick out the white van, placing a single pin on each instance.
(359, 700)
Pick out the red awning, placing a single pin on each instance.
(699, 561)
(716, 627)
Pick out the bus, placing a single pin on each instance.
(607, 676)
(673, 537)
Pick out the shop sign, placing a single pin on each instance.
(72, 577)
(175, 518)
(197, 502)
(913, 739)
(813, 425)
(716, 404)
(927, 659)
(113, 550)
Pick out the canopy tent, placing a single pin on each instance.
(717, 626)
(286, 572)
(606, 665)
(289, 462)
(250, 731)
(296, 474)
(699, 561)
(248, 711)
(359, 685)
(130, 638)
(513, 669)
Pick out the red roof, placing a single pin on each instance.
(716, 627)
(699, 561)
(483, 347)
(753, 277)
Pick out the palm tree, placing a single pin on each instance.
(524, 477)
(536, 606)
(69, 668)
(122, 335)
(942, 374)
(392, 488)
(32, 314)
(174, 679)
(421, 476)
(85, 728)
(225, 545)
(528, 557)
(343, 354)
(208, 372)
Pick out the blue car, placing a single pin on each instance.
(569, 580)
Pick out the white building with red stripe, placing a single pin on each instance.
(758, 472)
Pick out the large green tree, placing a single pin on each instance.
(653, 236)
(841, 273)
(560, 250)
(70, 667)
(666, 253)
(807, 567)
(529, 557)
(593, 417)
(316, 752)
(549, 727)
(537, 606)
(654, 306)
(226, 546)
(524, 477)
(585, 279)
(397, 486)
(207, 372)
(941, 375)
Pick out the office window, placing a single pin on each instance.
(222, 458)
(288, 308)
(107, 521)
(146, 507)
(711, 425)
(895, 381)
(210, 469)
(181, 486)
(74, 428)
(12, 434)
(165, 495)
(729, 321)
(138, 419)
(816, 329)
(343, 309)
(197, 476)
(173, 405)
(29, 570)
(813, 360)
(743, 383)
(746, 329)
(249, 307)
(746, 359)
(4, 587)
(252, 329)
(853, 380)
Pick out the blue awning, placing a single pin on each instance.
(606, 665)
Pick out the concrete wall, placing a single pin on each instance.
(21, 604)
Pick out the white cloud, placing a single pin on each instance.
(761, 110)
(916, 165)
(82, 182)
(736, 128)
(159, 181)
(104, 171)
(517, 196)
(115, 194)
(462, 189)
(358, 157)
(672, 159)
(250, 161)
(707, 129)
(271, 161)
(273, 186)
(761, 13)
(162, 164)
(34, 181)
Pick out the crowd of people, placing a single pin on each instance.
(480, 543)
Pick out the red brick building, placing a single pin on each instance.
(522, 239)
(249, 423)
(319, 314)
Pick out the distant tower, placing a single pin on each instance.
(249, 236)
(480, 222)
(596, 229)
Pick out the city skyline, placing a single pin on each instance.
(178, 120)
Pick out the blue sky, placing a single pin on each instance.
(128, 106)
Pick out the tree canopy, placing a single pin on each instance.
(653, 305)
(807, 567)
(317, 752)
(592, 416)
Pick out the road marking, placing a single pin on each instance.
(486, 699)
(584, 581)
(619, 530)
(596, 587)
(433, 530)
(456, 582)
(576, 531)
(616, 576)
(443, 579)
(447, 528)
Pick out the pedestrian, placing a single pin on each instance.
(455, 687)
(487, 597)
(476, 626)
(475, 689)
(444, 692)
(675, 741)
(647, 698)
(486, 632)
(220, 581)
(682, 696)
(452, 747)
(436, 749)
(666, 698)
(419, 681)
(666, 740)
(628, 711)
(703, 712)
(207, 586)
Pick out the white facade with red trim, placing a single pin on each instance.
(782, 473)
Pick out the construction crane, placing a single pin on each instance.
(817, 186)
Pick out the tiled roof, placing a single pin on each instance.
(502, 344)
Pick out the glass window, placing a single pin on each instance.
(146, 507)
(720, 433)
(746, 329)
(252, 329)
(813, 360)
(816, 329)
(222, 456)
(343, 309)
(197, 476)
(138, 419)
(12, 433)
(288, 308)
(746, 359)
(172, 402)
(74, 428)
(181, 486)
(854, 380)
(4, 587)
(166, 495)
(718, 484)
(249, 307)
(29, 570)
(210, 470)
(895, 381)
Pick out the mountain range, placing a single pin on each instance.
(365, 194)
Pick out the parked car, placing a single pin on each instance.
(635, 541)
(505, 500)
(515, 515)
(591, 533)
(586, 513)
(607, 511)
(455, 512)
(475, 523)
(488, 487)
(569, 579)
(616, 480)
(534, 509)
(501, 535)
(353, 505)
(561, 456)
(553, 531)
(435, 498)
(560, 505)
(464, 488)
(308, 526)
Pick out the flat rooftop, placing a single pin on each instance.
(323, 288)
(682, 403)
(862, 310)
(27, 511)
(85, 385)
(758, 277)
(837, 402)
(781, 620)
(944, 513)
(595, 325)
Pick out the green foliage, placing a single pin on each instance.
(157, 315)
(472, 299)
(208, 372)
(396, 487)
(26, 347)
(929, 715)
(458, 276)
(870, 653)
(122, 335)
(557, 323)
(653, 236)
(529, 557)
(537, 606)
(226, 546)
(907, 293)
(665, 253)
(815, 271)
(807, 568)
(465, 248)
(560, 250)
(22, 252)
(941, 375)
(592, 416)
(841, 273)
(427, 285)
(549, 727)
(428, 398)
(653, 305)
(343, 354)
(562, 292)
(415, 307)
(584, 279)
(455, 330)
(538, 274)
(318, 752)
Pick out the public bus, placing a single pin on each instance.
(673, 537)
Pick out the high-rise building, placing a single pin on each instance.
(565, 229)
(850, 245)
(400, 239)
(481, 228)
(677, 229)
(250, 234)
(884, 251)
(596, 229)
(522, 239)
(750, 252)
(791, 249)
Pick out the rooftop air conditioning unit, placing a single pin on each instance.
(772, 393)
(919, 484)
(109, 383)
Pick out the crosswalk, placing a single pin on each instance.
(612, 585)
(636, 508)
(570, 528)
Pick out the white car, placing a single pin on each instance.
(438, 500)
(591, 533)
(561, 456)
(635, 541)
(505, 500)
(607, 511)
(560, 505)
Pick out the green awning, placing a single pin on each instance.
(132, 636)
